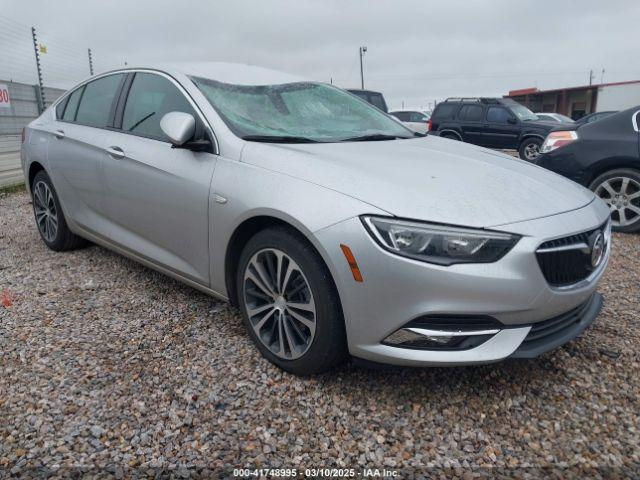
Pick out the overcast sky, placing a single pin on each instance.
(418, 50)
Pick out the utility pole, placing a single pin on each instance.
(90, 62)
(362, 51)
(602, 76)
(591, 77)
(39, 69)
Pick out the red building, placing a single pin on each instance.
(576, 102)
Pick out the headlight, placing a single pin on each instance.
(439, 244)
(558, 139)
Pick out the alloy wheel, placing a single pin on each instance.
(531, 151)
(45, 211)
(622, 194)
(279, 303)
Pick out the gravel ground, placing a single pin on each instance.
(109, 368)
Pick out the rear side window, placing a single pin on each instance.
(150, 98)
(498, 115)
(72, 106)
(444, 111)
(98, 96)
(377, 101)
(470, 113)
(417, 117)
(402, 116)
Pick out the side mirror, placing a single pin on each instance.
(179, 127)
(512, 121)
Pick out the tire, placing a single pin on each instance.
(314, 351)
(49, 217)
(530, 149)
(451, 136)
(620, 189)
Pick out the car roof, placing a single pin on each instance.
(234, 73)
(361, 90)
(409, 110)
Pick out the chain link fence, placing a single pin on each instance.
(35, 69)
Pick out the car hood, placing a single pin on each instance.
(429, 179)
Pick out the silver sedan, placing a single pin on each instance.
(333, 228)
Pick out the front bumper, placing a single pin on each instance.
(513, 291)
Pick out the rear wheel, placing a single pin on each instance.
(530, 149)
(289, 303)
(450, 136)
(50, 220)
(620, 190)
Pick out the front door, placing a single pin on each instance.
(157, 196)
(501, 128)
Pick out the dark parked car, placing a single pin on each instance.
(592, 117)
(374, 98)
(491, 122)
(605, 157)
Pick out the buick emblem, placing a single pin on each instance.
(597, 250)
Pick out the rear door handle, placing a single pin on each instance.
(115, 152)
(59, 134)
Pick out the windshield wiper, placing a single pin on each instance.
(372, 138)
(278, 139)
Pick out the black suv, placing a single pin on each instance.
(491, 122)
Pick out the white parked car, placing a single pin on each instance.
(415, 119)
(554, 117)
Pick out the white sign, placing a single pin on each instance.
(5, 101)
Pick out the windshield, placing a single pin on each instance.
(310, 111)
(523, 113)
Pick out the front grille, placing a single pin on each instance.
(565, 265)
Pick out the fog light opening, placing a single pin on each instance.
(426, 339)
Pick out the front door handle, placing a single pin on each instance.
(115, 152)
(59, 134)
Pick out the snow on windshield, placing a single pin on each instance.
(311, 110)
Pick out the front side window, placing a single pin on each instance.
(498, 115)
(522, 112)
(95, 105)
(71, 108)
(150, 98)
(300, 111)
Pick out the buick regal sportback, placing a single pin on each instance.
(333, 228)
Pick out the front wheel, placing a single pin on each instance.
(530, 149)
(289, 303)
(620, 190)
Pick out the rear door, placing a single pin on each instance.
(75, 153)
(157, 197)
(501, 128)
(470, 118)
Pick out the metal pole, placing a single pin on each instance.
(362, 50)
(90, 61)
(590, 77)
(39, 68)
